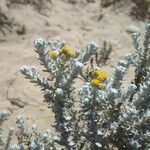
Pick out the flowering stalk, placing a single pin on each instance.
(92, 101)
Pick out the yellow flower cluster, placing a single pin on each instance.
(98, 77)
(98, 74)
(96, 83)
(53, 54)
(67, 51)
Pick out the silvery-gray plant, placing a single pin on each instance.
(33, 140)
(123, 117)
(61, 95)
(110, 116)
(116, 117)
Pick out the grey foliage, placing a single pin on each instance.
(109, 117)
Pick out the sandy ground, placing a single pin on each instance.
(76, 24)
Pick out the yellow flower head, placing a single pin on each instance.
(67, 51)
(53, 54)
(98, 74)
(102, 77)
(96, 83)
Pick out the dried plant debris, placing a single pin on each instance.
(8, 25)
(106, 3)
(140, 8)
(5, 23)
(72, 1)
(39, 5)
(21, 30)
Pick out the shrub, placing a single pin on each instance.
(109, 117)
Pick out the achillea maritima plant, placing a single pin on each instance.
(110, 117)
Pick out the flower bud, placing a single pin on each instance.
(54, 54)
(40, 45)
(92, 48)
(59, 92)
(79, 65)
